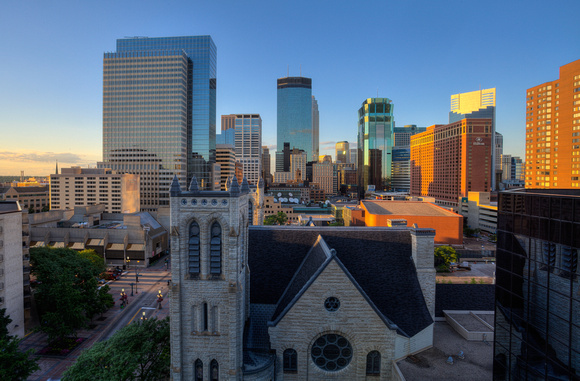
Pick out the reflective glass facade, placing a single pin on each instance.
(537, 316)
(202, 54)
(146, 123)
(295, 113)
(248, 145)
(375, 143)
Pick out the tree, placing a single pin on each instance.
(444, 255)
(67, 293)
(276, 219)
(31, 209)
(14, 364)
(139, 351)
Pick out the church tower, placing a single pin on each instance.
(210, 281)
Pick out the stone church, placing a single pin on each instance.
(288, 302)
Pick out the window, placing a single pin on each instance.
(331, 352)
(214, 370)
(205, 317)
(290, 360)
(332, 304)
(215, 254)
(373, 363)
(569, 262)
(198, 370)
(194, 249)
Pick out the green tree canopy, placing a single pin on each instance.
(139, 351)
(444, 255)
(14, 364)
(67, 293)
(276, 219)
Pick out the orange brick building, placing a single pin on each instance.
(448, 225)
(553, 131)
(448, 161)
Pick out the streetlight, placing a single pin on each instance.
(159, 300)
(136, 276)
(131, 284)
(124, 299)
(143, 318)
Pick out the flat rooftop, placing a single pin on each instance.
(406, 208)
(431, 364)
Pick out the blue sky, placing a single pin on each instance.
(417, 53)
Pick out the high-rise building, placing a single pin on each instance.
(553, 131)
(77, 186)
(14, 258)
(315, 130)
(159, 102)
(298, 165)
(498, 155)
(476, 105)
(375, 141)
(228, 122)
(401, 165)
(226, 137)
(248, 144)
(283, 158)
(295, 114)
(324, 175)
(266, 170)
(226, 158)
(448, 161)
(342, 152)
(537, 309)
(353, 157)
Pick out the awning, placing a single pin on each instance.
(116, 246)
(135, 247)
(37, 244)
(76, 245)
(96, 242)
(56, 245)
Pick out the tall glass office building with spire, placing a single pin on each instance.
(295, 114)
(159, 112)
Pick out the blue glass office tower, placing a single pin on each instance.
(200, 95)
(295, 114)
(375, 143)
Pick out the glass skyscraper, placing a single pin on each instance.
(159, 112)
(295, 114)
(537, 310)
(375, 143)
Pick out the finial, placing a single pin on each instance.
(193, 185)
(245, 186)
(234, 187)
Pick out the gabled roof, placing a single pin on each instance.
(378, 260)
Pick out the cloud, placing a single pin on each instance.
(63, 157)
(327, 143)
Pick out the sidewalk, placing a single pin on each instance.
(52, 367)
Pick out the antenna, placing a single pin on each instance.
(288, 71)
(301, 70)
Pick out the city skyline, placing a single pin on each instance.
(419, 71)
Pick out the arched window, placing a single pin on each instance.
(214, 370)
(194, 250)
(290, 360)
(198, 370)
(374, 363)
(215, 250)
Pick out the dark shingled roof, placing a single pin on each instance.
(378, 259)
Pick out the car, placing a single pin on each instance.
(110, 275)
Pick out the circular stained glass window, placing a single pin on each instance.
(332, 304)
(331, 352)
(183, 201)
(214, 202)
(194, 202)
(204, 202)
(224, 202)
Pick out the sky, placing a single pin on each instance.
(415, 52)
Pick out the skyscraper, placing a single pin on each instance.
(248, 145)
(159, 101)
(537, 309)
(448, 161)
(475, 105)
(375, 141)
(553, 131)
(315, 130)
(295, 114)
(342, 152)
(266, 170)
(401, 165)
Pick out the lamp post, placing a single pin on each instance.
(123, 298)
(143, 318)
(159, 300)
(131, 284)
(136, 276)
